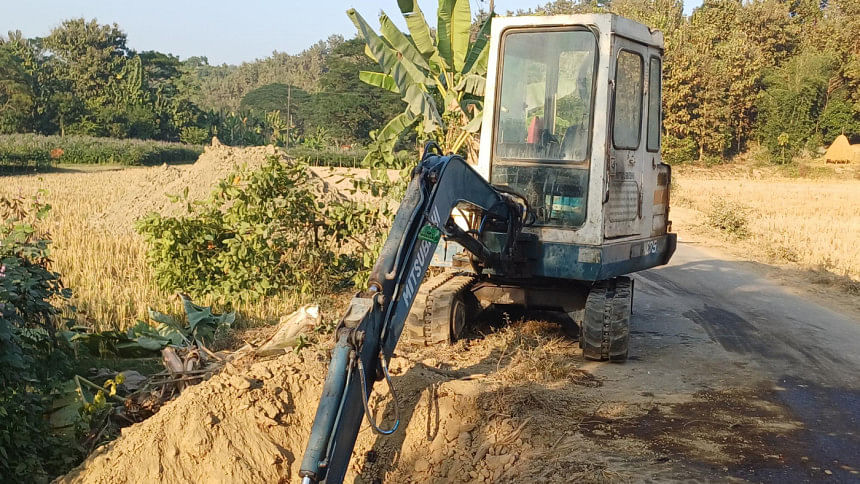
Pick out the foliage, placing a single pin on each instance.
(237, 129)
(729, 217)
(795, 98)
(274, 97)
(30, 357)
(222, 88)
(30, 150)
(346, 107)
(83, 79)
(678, 150)
(145, 338)
(17, 100)
(260, 232)
(195, 135)
(715, 70)
(450, 71)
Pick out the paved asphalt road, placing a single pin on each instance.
(704, 323)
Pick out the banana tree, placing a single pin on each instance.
(450, 70)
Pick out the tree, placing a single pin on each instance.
(17, 99)
(665, 15)
(274, 97)
(794, 99)
(90, 56)
(714, 70)
(347, 107)
(450, 71)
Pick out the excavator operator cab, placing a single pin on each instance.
(572, 122)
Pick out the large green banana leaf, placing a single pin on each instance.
(472, 84)
(403, 71)
(396, 127)
(452, 31)
(387, 137)
(378, 79)
(401, 43)
(480, 50)
(421, 104)
(443, 33)
(418, 28)
(369, 53)
(475, 124)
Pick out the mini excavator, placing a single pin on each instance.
(568, 196)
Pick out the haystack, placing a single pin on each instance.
(841, 151)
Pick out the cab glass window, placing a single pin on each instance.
(544, 112)
(546, 95)
(627, 116)
(654, 93)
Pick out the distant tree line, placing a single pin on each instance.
(83, 79)
(784, 74)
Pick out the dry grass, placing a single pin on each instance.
(811, 223)
(107, 271)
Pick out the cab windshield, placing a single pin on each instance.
(546, 95)
(543, 133)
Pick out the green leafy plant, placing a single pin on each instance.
(316, 140)
(261, 232)
(147, 338)
(194, 135)
(32, 360)
(36, 151)
(328, 157)
(728, 217)
(449, 71)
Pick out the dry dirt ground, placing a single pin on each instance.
(731, 377)
(737, 373)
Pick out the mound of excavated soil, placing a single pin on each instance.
(243, 425)
(151, 188)
(516, 405)
(251, 422)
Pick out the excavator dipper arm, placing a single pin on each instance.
(368, 333)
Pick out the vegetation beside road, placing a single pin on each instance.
(808, 224)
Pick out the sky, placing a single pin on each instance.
(224, 31)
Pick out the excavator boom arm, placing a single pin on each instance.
(369, 332)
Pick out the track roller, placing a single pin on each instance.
(605, 331)
(441, 310)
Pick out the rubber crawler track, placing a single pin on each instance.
(429, 321)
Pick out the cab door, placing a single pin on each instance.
(623, 208)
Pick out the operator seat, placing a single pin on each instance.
(574, 143)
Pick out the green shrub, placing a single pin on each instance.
(261, 232)
(729, 217)
(32, 363)
(36, 151)
(194, 135)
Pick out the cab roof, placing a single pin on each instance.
(603, 22)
